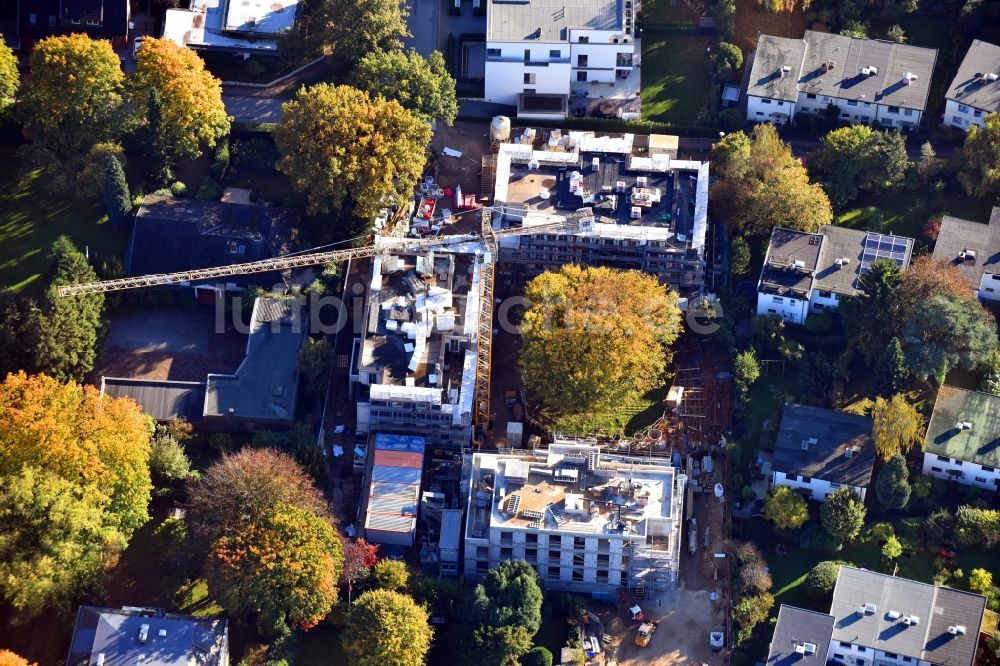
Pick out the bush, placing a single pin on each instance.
(177, 188)
(537, 656)
(256, 154)
(210, 190)
(90, 178)
(253, 69)
(821, 580)
(164, 192)
(221, 162)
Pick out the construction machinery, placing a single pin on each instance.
(645, 634)
(485, 243)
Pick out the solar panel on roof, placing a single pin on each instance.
(879, 246)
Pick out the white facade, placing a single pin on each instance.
(792, 310)
(962, 471)
(818, 488)
(762, 109)
(989, 287)
(842, 652)
(765, 110)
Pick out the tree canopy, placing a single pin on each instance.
(762, 185)
(192, 108)
(896, 426)
(8, 658)
(387, 628)
(746, 368)
(73, 93)
(842, 514)
(945, 333)
(422, 85)
(786, 508)
(893, 486)
(357, 28)
(391, 575)
(348, 151)
(980, 170)
(821, 580)
(858, 158)
(505, 611)
(74, 486)
(10, 78)
(596, 337)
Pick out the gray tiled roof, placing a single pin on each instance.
(937, 609)
(549, 20)
(957, 235)
(842, 242)
(796, 628)
(982, 58)
(980, 443)
(806, 59)
(827, 459)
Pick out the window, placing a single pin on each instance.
(824, 294)
(506, 553)
(93, 22)
(765, 101)
(852, 102)
(581, 77)
(75, 21)
(810, 96)
(32, 19)
(944, 458)
(577, 576)
(980, 479)
(988, 469)
(907, 112)
(554, 573)
(956, 120)
(862, 650)
(52, 20)
(936, 469)
(781, 103)
(962, 108)
(529, 78)
(989, 289)
(772, 311)
(584, 39)
(893, 109)
(778, 299)
(891, 655)
(843, 644)
(760, 113)
(555, 53)
(527, 55)
(845, 115)
(977, 113)
(838, 656)
(958, 463)
(493, 53)
(867, 105)
(582, 60)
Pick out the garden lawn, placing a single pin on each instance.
(902, 217)
(674, 80)
(31, 218)
(627, 418)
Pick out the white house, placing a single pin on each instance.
(806, 273)
(880, 620)
(963, 438)
(974, 248)
(245, 27)
(975, 91)
(869, 81)
(560, 48)
(820, 450)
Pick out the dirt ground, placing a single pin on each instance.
(752, 20)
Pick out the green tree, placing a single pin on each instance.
(821, 580)
(891, 373)
(537, 656)
(872, 317)
(503, 613)
(386, 628)
(857, 158)
(10, 78)
(168, 464)
(497, 646)
(768, 332)
(977, 527)
(929, 165)
(346, 150)
(595, 338)
(786, 508)
(192, 112)
(73, 93)
(981, 582)
(117, 199)
(746, 369)
(896, 34)
(892, 548)
(74, 486)
(18, 317)
(842, 515)
(282, 567)
(315, 362)
(945, 333)
(739, 259)
(980, 159)
(424, 86)
(358, 28)
(391, 575)
(67, 330)
(158, 161)
(896, 426)
(750, 611)
(762, 185)
(893, 486)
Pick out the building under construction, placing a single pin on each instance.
(651, 208)
(588, 521)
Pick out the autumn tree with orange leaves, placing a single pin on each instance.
(74, 486)
(8, 658)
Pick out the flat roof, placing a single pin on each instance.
(958, 235)
(827, 64)
(860, 248)
(791, 262)
(549, 20)
(163, 400)
(801, 638)
(980, 443)
(261, 17)
(816, 442)
(973, 84)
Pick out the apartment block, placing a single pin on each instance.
(588, 521)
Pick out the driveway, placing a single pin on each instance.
(171, 331)
(253, 109)
(424, 23)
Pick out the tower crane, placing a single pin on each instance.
(487, 239)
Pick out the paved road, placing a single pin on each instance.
(424, 23)
(253, 109)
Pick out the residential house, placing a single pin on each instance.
(248, 27)
(650, 208)
(588, 521)
(132, 635)
(820, 450)
(173, 234)
(539, 54)
(868, 81)
(393, 482)
(806, 273)
(974, 93)
(881, 620)
(37, 19)
(963, 438)
(974, 248)
(260, 394)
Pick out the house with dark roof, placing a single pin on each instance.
(801, 638)
(963, 438)
(974, 93)
(131, 635)
(172, 234)
(260, 394)
(37, 19)
(880, 620)
(867, 81)
(974, 248)
(820, 450)
(806, 273)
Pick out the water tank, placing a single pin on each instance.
(500, 128)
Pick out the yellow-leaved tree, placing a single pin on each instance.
(596, 337)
